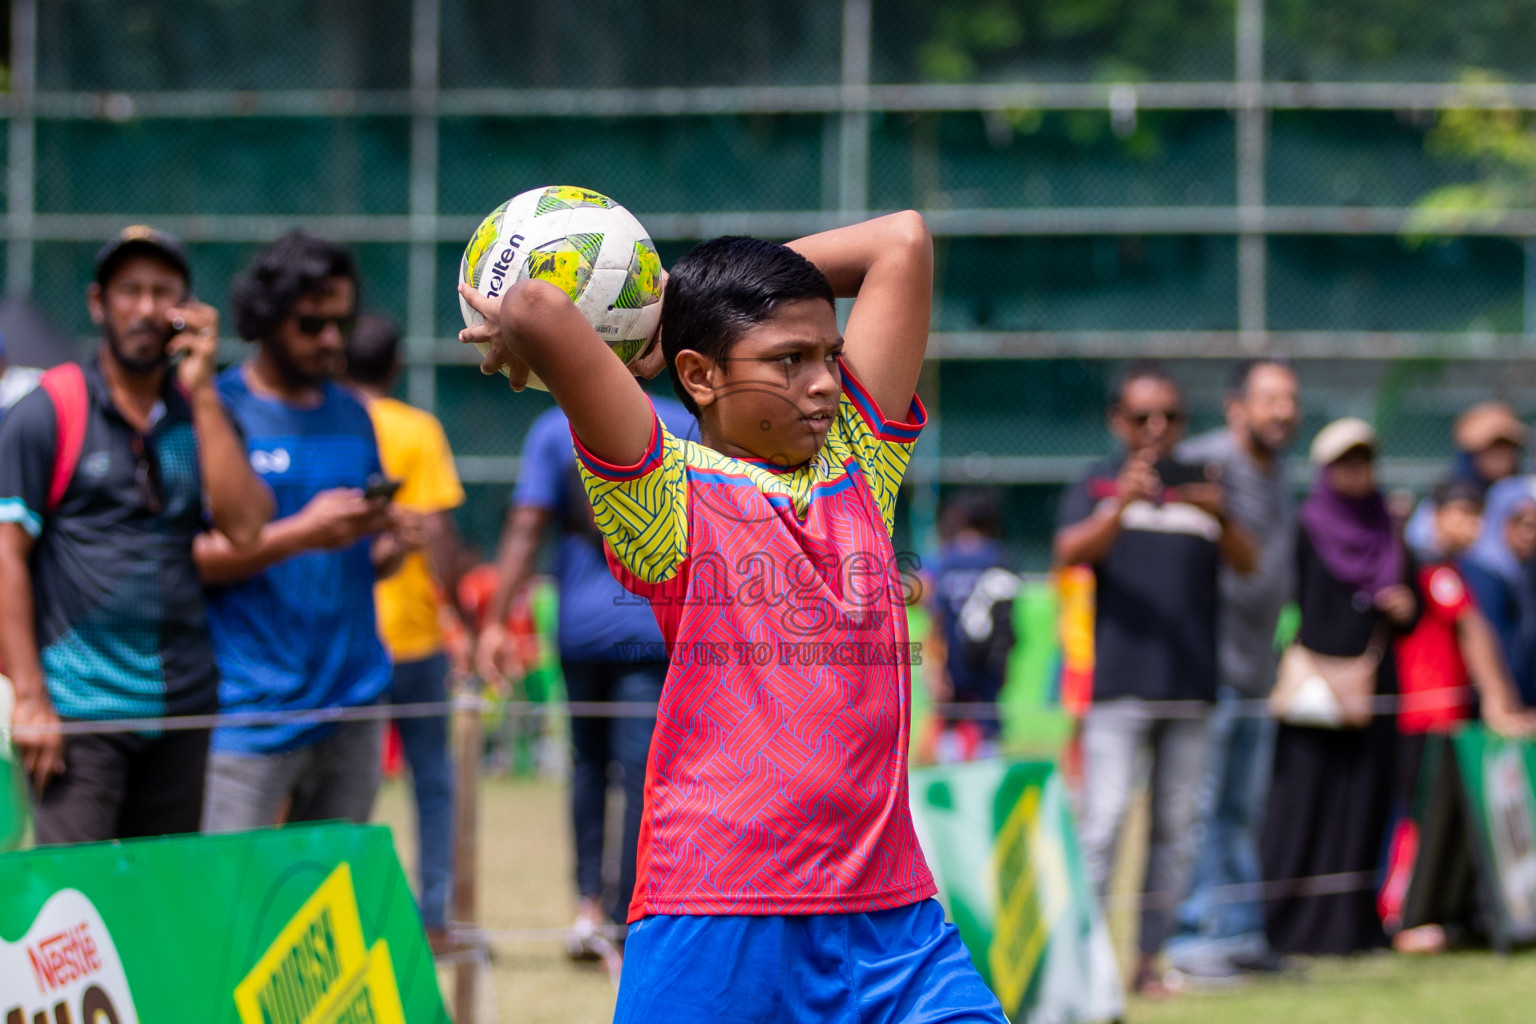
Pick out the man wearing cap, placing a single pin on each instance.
(1490, 443)
(103, 616)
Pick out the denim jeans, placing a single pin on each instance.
(425, 743)
(597, 744)
(1118, 735)
(1213, 924)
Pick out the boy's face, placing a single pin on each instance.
(1457, 524)
(774, 394)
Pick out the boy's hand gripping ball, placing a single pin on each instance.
(582, 242)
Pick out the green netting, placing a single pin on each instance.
(1371, 283)
(606, 43)
(1397, 40)
(1354, 158)
(1030, 159)
(1155, 282)
(985, 412)
(223, 44)
(300, 166)
(1063, 40)
(648, 164)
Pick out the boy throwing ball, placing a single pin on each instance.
(779, 877)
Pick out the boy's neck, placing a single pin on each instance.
(710, 439)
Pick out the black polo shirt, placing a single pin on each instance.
(1156, 598)
(121, 627)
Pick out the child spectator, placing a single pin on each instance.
(1451, 650)
(972, 635)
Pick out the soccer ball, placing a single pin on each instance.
(584, 243)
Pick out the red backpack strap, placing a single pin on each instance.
(65, 385)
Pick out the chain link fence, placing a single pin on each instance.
(1191, 179)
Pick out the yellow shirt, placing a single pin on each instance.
(413, 449)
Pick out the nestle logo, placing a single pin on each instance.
(65, 957)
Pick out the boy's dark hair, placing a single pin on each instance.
(1242, 374)
(373, 350)
(721, 288)
(1142, 369)
(282, 272)
(1453, 490)
(973, 508)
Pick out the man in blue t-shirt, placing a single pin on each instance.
(292, 617)
(610, 650)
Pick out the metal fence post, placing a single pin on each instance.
(1252, 131)
(20, 183)
(421, 279)
(466, 860)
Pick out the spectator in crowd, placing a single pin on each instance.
(1219, 936)
(972, 619)
(1155, 531)
(1500, 569)
(1490, 445)
(610, 650)
(105, 476)
(1450, 651)
(15, 381)
(292, 615)
(414, 451)
(1331, 792)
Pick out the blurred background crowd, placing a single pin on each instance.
(1233, 359)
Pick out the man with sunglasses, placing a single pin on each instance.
(102, 614)
(1155, 532)
(293, 614)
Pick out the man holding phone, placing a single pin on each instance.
(292, 615)
(105, 475)
(1154, 530)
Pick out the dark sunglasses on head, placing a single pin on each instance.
(1173, 417)
(313, 325)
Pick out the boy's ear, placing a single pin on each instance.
(696, 371)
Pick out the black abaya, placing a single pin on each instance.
(1331, 792)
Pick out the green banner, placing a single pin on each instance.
(13, 800)
(999, 836)
(1497, 776)
(299, 925)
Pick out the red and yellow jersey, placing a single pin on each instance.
(777, 780)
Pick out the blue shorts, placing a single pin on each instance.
(905, 965)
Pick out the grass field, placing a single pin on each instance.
(525, 884)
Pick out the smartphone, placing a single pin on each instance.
(379, 486)
(1174, 473)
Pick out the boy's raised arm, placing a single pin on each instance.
(536, 327)
(887, 265)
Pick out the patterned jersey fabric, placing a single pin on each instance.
(777, 781)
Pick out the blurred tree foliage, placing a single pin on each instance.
(1499, 141)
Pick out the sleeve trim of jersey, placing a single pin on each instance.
(618, 474)
(884, 429)
(14, 510)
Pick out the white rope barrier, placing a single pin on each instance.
(1383, 705)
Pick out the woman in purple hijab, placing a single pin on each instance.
(1331, 794)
